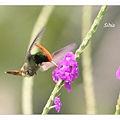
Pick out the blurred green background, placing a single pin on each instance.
(63, 27)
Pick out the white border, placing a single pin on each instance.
(60, 117)
(59, 2)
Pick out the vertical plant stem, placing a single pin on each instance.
(92, 30)
(27, 86)
(52, 97)
(77, 54)
(87, 64)
(117, 112)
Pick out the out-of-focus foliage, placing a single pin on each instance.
(64, 27)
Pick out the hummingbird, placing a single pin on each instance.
(42, 59)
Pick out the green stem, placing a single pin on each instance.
(52, 97)
(92, 30)
(117, 112)
(87, 64)
(27, 86)
(78, 52)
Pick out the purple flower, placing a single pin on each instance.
(67, 85)
(118, 73)
(67, 70)
(69, 56)
(58, 104)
